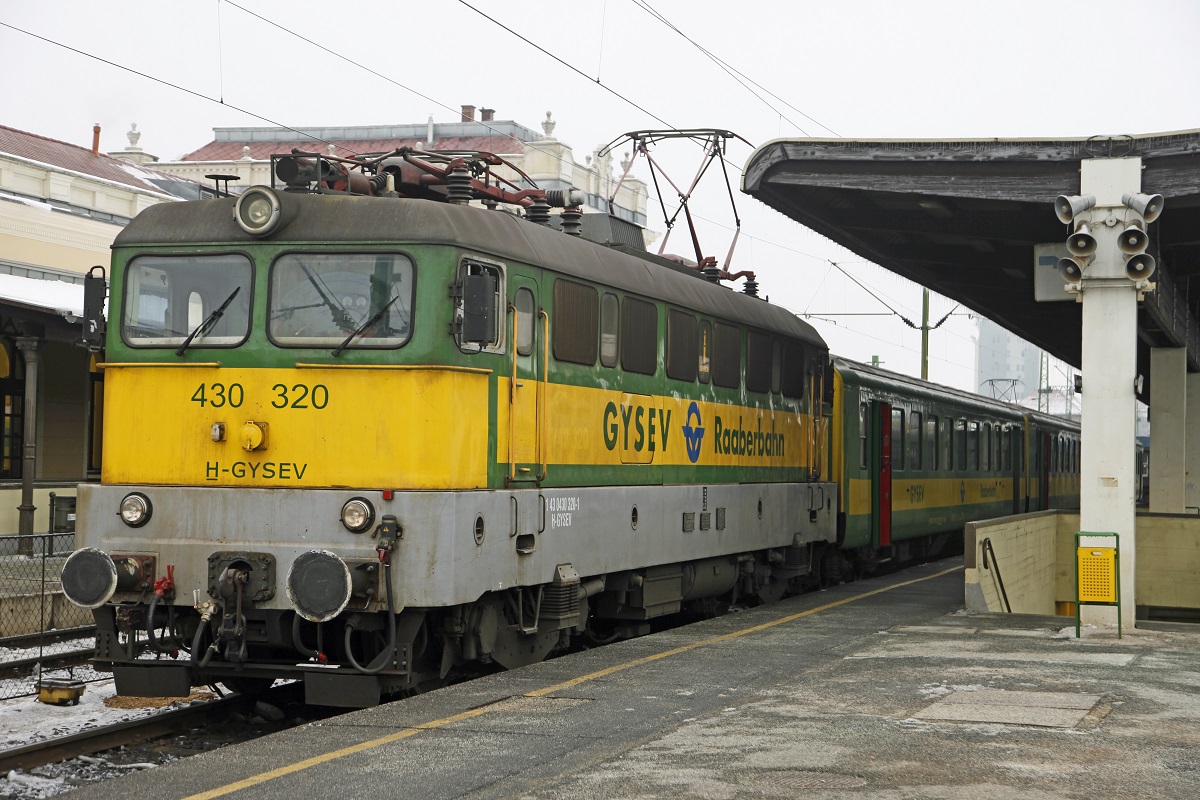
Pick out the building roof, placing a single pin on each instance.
(81, 160)
(500, 137)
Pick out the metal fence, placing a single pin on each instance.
(39, 627)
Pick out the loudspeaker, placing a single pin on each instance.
(1069, 206)
(1072, 269)
(1081, 242)
(1133, 239)
(1148, 205)
(1139, 267)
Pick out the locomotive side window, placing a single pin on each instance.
(682, 359)
(523, 305)
(576, 322)
(335, 299)
(776, 365)
(639, 336)
(609, 318)
(167, 298)
(758, 362)
(727, 356)
(704, 369)
(793, 377)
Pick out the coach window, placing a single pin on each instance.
(931, 441)
(862, 435)
(913, 435)
(168, 298)
(986, 445)
(727, 356)
(758, 362)
(576, 322)
(960, 444)
(609, 316)
(704, 368)
(639, 336)
(946, 442)
(336, 299)
(897, 438)
(682, 361)
(973, 446)
(792, 381)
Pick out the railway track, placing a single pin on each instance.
(134, 732)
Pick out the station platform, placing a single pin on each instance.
(883, 688)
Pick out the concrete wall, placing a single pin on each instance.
(1035, 554)
(1022, 554)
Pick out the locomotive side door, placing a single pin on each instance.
(527, 386)
(881, 467)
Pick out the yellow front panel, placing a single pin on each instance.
(405, 428)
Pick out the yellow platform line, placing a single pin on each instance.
(333, 755)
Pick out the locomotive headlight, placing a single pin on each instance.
(257, 211)
(136, 510)
(358, 514)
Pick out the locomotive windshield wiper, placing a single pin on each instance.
(337, 351)
(208, 322)
(341, 317)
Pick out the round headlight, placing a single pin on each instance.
(136, 510)
(357, 515)
(257, 211)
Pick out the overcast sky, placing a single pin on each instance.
(853, 69)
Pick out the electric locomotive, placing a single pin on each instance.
(360, 431)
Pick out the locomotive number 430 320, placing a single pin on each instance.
(300, 395)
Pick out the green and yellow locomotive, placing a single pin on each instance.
(359, 431)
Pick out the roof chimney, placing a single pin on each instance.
(96, 139)
(488, 114)
(468, 113)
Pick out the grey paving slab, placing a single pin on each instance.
(806, 698)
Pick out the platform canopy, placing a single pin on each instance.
(965, 218)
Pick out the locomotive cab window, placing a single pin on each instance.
(170, 298)
(334, 299)
(523, 307)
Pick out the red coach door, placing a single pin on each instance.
(881, 501)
